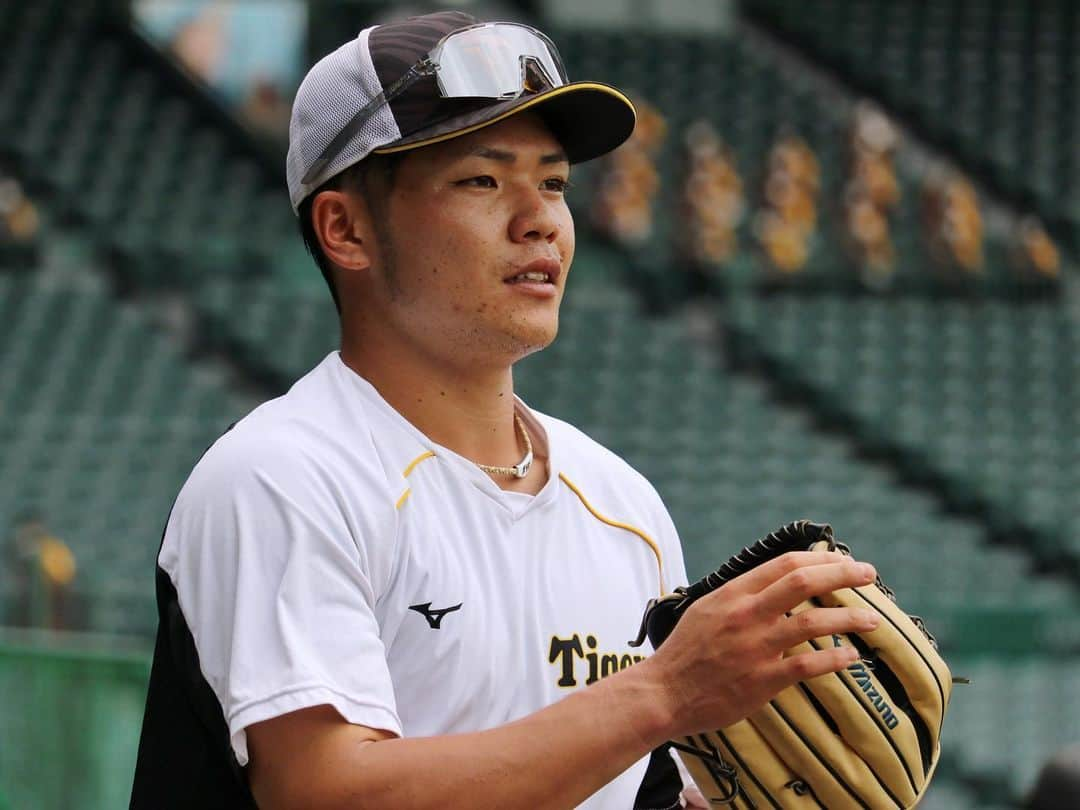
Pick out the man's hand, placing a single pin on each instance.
(725, 658)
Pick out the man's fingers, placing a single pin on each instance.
(786, 672)
(821, 623)
(764, 575)
(805, 582)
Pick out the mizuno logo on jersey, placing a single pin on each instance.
(434, 616)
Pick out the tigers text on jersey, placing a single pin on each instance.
(325, 551)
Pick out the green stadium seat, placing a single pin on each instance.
(981, 393)
(99, 438)
(969, 73)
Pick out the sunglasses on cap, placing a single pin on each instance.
(500, 61)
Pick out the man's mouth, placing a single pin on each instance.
(538, 271)
(543, 278)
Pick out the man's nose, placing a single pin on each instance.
(535, 219)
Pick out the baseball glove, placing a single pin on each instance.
(865, 737)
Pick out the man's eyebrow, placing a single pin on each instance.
(492, 153)
(555, 157)
(504, 156)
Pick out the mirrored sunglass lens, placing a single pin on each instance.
(486, 62)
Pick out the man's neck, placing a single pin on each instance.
(467, 409)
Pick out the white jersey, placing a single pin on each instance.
(325, 551)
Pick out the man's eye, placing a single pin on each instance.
(556, 184)
(481, 181)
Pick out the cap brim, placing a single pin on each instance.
(589, 119)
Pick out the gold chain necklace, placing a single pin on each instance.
(521, 469)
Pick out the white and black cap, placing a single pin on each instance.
(326, 136)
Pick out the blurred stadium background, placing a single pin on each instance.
(833, 275)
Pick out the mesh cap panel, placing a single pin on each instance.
(332, 92)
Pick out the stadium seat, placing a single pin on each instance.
(100, 437)
(994, 81)
(980, 393)
(101, 126)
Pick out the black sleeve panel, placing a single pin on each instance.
(662, 784)
(185, 758)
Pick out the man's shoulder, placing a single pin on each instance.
(280, 431)
(312, 431)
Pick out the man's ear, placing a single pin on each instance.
(342, 224)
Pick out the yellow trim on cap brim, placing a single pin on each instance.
(532, 102)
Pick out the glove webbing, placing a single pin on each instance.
(797, 536)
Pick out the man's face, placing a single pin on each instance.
(474, 246)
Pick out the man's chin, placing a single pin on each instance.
(526, 340)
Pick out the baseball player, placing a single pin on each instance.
(397, 585)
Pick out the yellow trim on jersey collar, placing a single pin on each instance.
(532, 102)
(620, 525)
(408, 471)
(416, 462)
